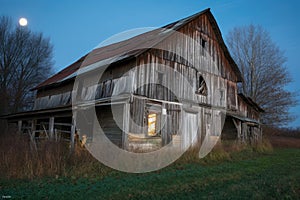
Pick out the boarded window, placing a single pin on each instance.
(201, 86)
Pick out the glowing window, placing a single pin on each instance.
(152, 124)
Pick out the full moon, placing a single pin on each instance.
(23, 21)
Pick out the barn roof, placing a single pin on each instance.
(130, 48)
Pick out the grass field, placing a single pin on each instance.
(267, 176)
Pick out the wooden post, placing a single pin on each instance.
(244, 132)
(260, 133)
(20, 126)
(55, 134)
(51, 127)
(33, 128)
(32, 136)
(126, 117)
(164, 134)
(73, 130)
(237, 125)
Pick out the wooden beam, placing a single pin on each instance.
(238, 127)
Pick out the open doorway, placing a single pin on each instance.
(153, 124)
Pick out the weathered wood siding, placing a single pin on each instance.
(247, 111)
(138, 116)
(53, 97)
(206, 59)
(152, 66)
(201, 30)
(108, 124)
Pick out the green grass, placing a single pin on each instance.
(269, 176)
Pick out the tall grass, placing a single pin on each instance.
(227, 151)
(20, 160)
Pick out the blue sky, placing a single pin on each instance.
(77, 26)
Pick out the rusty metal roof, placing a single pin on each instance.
(130, 48)
(250, 102)
(62, 74)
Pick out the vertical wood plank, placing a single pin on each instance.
(73, 129)
(126, 117)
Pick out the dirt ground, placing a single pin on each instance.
(282, 141)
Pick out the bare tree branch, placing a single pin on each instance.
(25, 60)
(262, 64)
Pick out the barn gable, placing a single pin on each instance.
(128, 48)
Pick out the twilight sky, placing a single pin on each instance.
(76, 26)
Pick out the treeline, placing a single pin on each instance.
(283, 131)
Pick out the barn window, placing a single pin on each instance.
(203, 42)
(201, 86)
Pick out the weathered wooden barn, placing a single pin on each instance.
(140, 80)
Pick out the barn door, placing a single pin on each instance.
(109, 124)
(189, 129)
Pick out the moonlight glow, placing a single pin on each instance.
(23, 21)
